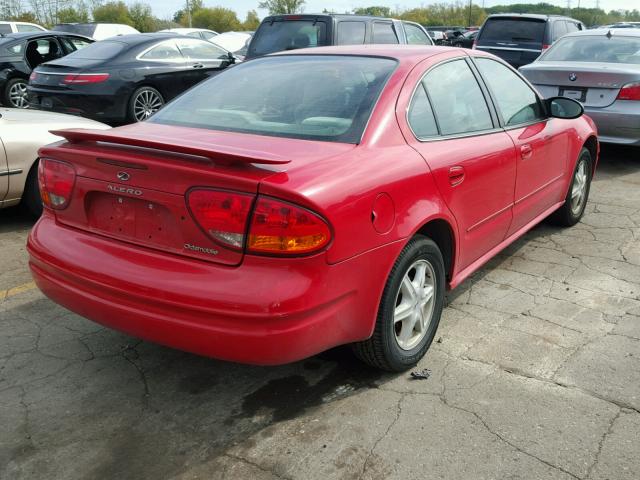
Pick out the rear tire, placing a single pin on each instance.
(144, 102)
(410, 309)
(31, 196)
(15, 94)
(576, 200)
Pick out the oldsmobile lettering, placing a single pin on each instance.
(196, 248)
(127, 190)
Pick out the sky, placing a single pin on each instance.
(166, 8)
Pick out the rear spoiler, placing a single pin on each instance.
(224, 154)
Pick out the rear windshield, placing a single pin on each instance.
(100, 50)
(288, 35)
(312, 97)
(86, 30)
(595, 49)
(513, 30)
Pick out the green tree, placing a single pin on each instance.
(181, 16)
(279, 7)
(113, 12)
(252, 21)
(142, 16)
(373, 11)
(73, 15)
(418, 15)
(218, 18)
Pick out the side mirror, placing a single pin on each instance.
(563, 107)
(231, 57)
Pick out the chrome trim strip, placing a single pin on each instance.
(6, 173)
(510, 49)
(530, 194)
(490, 217)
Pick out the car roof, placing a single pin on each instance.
(186, 30)
(404, 53)
(616, 32)
(133, 39)
(536, 16)
(304, 16)
(32, 35)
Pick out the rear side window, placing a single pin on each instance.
(559, 29)
(28, 28)
(513, 30)
(458, 102)
(16, 48)
(516, 101)
(573, 27)
(200, 49)
(166, 51)
(288, 35)
(351, 33)
(415, 35)
(421, 118)
(383, 32)
(103, 50)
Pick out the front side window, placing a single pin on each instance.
(421, 118)
(383, 32)
(164, 52)
(415, 35)
(351, 33)
(458, 102)
(312, 97)
(517, 102)
(200, 49)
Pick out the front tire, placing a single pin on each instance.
(144, 102)
(410, 309)
(576, 200)
(15, 93)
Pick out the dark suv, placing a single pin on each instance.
(288, 32)
(520, 38)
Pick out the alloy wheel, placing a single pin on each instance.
(579, 187)
(146, 103)
(18, 95)
(414, 304)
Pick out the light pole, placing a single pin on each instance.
(469, 24)
(189, 13)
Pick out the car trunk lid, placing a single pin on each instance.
(594, 84)
(132, 182)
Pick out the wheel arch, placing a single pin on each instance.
(591, 144)
(442, 233)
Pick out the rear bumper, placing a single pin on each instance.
(267, 311)
(618, 123)
(103, 107)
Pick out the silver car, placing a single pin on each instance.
(600, 69)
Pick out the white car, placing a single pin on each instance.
(97, 31)
(22, 133)
(234, 42)
(20, 27)
(202, 33)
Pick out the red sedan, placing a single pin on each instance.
(306, 200)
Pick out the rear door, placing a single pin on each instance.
(541, 144)
(517, 40)
(472, 160)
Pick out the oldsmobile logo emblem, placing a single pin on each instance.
(123, 176)
(573, 77)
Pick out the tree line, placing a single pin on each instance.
(140, 15)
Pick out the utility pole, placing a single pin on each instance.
(469, 24)
(189, 13)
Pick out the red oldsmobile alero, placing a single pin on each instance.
(308, 199)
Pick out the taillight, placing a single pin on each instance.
(282, 228)
(222, 215)
(56, 180)
(276, 227)
(630, 91)
(544, 47)
(84, 78)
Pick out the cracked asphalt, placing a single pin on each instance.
(535, 374)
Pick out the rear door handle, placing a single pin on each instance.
(526, 151)
(456, 175)
(198, 65)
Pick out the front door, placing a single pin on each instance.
(541, 144)
(472, 160)
(4, 172)
(204, 59)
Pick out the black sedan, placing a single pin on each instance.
(465, 40)
(20, 53)
(127, 78)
